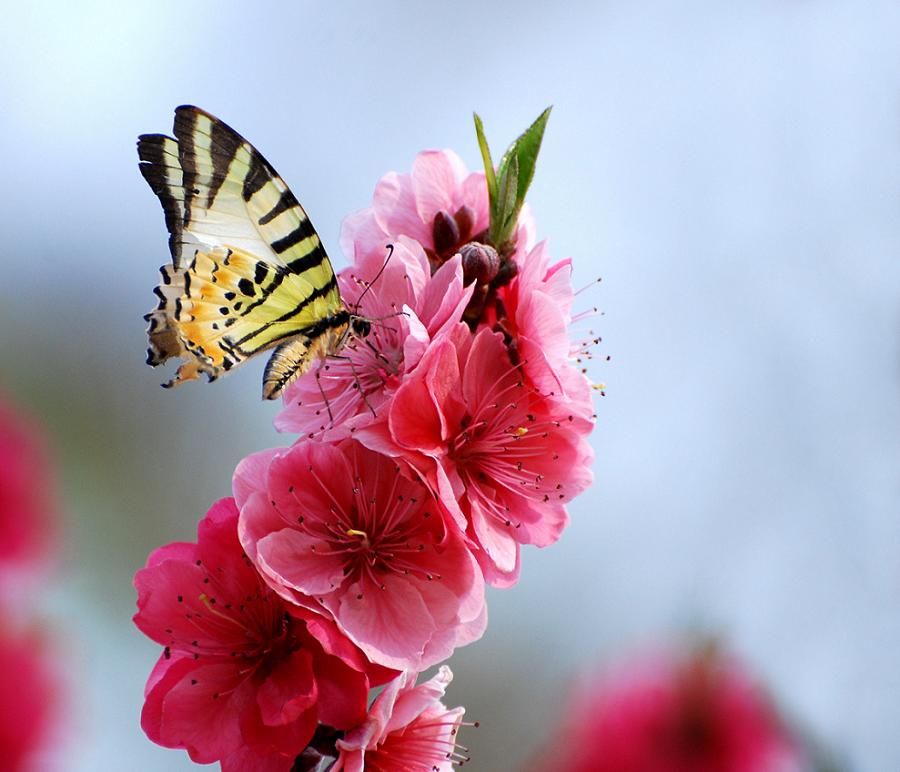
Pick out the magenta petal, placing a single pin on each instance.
(178, 550)
(475, 196)
(496, 578)
(417, 418)
(159, 670)
(542, 523)
(343, 693)
(487, 364)
(436, 176)
(163, 678)
(495, 540)
(416, 270)
(445, 297)
(377, 436)
(411, 703)
(383, 707)
(360, 228)
(316, 496)
(246, 760)
(282, 739)
(298, 560)
(395, 208)
(391, 625)
(340, 647)
(159, 589)
(558, 285)
(251, 474)
(408, 728)
(200, 709)
(417, 339)
(448, 490)
(289, 691)
(258, 518)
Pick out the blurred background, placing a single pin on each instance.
(732, 172)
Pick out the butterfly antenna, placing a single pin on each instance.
(390, 249)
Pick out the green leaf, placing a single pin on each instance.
(526, 148)
(506, 206)
(508, 185)
(486, 158)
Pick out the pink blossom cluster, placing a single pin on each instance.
(671, 711)
(28, 683)
(428, 453)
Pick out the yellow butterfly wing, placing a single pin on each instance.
(248, 269)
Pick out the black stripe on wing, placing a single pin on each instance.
(303, 230)
(158, 164)
(287, 201)
(318, 292)
(224, 144)
(185, 123)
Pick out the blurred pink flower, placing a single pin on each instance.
(29, 700)
(26, 492)
(500, 456)
(408, 729)
(410, 307)
(242, 671)
(667, 713)
(343, 531)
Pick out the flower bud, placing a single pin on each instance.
(506, 274)
(480, 262)
(445, 232)
(465, 220)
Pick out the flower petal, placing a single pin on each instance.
(298, 560)
(436, 177)
(391, 625)
(289, 691)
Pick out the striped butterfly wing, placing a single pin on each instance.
(248, 270)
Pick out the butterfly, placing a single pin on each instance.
(248, 271)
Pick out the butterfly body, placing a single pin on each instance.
(248, 271)
(326, 338)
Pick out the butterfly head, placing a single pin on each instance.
(360, 325)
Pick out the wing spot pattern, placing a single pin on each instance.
(257, 275)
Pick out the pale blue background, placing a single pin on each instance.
(731, 170)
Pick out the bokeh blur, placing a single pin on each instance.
(731, 170)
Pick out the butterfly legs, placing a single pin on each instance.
(322, 392)
(357, 384)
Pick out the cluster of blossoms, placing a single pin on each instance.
(28, 683)
(672, 711)
(427, 455)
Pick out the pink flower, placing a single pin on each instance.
(26, 498)
(408, 729)
(535, 311)
(29, 701)
(242, 671)
(439, 198)
(537, 306)
(345, 532)
(443, 207)
(499, 455)
(409, 307)
(671, 714)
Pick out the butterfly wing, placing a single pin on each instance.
(248, 269)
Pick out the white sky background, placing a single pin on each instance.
(733, 174)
